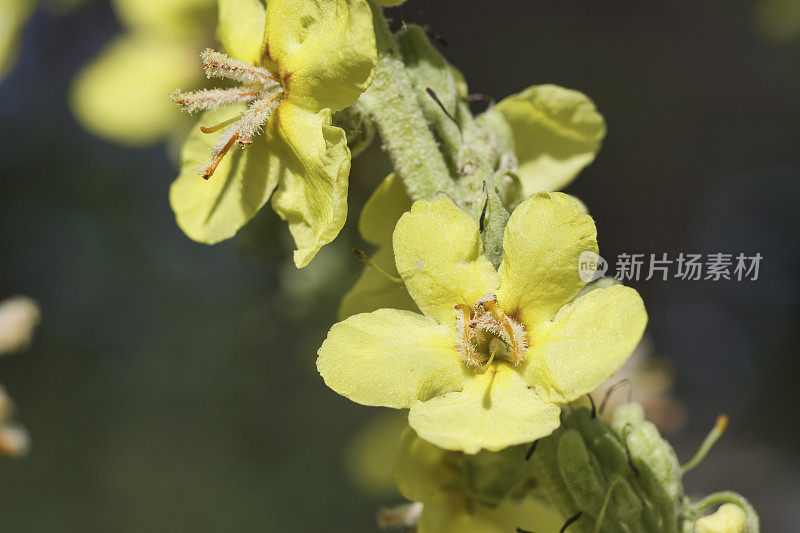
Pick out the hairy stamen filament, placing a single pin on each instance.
(503, 319)
(256, 116)
(245, 126)
(466, 314)
(262, 90)
(207, 170)
(211, 98)
(219, 65)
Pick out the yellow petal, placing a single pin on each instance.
(379, 216)
(240, 29)
(390, 358)
(586, 342)
(110, 99)
(324, 50)
(373, 291)
(314, 171)
(213, 210)
(369, 454)
(19, 316)
(167, 17)
(557, 133)
(13, 15)
(446, 514)
(382, 211)
(495, 410)
(439, 255)
(418, 468)
(543, 241)
(778, 20)
(729, 518)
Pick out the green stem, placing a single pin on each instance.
(392, 104)
(711, 439)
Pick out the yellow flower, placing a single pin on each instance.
(13, 14)
(122, 94)
(557, 132)
(373, 290)
(729, 518)
(316, 57)
(483, 493)
(495, 351)
(18, 318)
(369, 454)
(14, 440)
(778, 20)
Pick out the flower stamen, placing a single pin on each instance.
(208, 169)
(485, 327)
(204, 99)
(218, 65)
(262, 90)
(466, 316)
(221, 125)
(256, 116)
(493, 308)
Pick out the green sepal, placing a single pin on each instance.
(544, 465)
(502, 136)
(494, 219)
(579, 473)
(648, 448)
(623, 506)
(592, 471)
(358, 128)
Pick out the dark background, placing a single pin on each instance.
(171, 386)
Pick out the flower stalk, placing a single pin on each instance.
(391, 103)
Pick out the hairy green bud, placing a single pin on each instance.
(623, 477)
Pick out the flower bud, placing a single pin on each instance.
(18, 318)
(729, 518)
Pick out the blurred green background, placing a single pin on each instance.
(171, 386)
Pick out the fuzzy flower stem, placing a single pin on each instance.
(207, 170)
(713, 436)
(394, 107)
